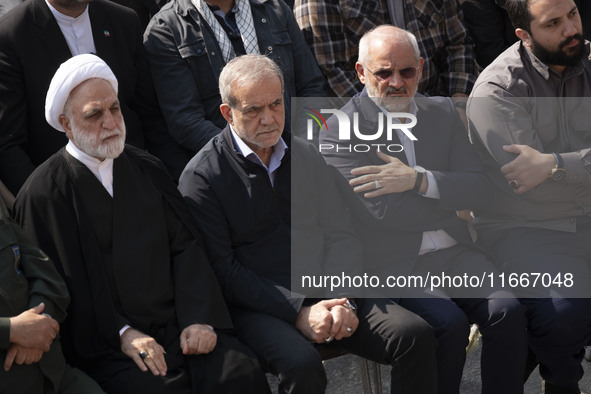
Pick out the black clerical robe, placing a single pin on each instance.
(131, 259)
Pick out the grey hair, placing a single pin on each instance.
(246, 69)
(68, 108)
(399, 35)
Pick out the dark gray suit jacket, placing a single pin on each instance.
(392, 225)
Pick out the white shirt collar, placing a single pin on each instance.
(278, 152)
(77, 31)
(63, 17)
(103, 170)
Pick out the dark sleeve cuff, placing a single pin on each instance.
(4, 332)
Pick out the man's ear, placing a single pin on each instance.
(421, 64)
(524, 36)
(227, 113)
(360, 72)
(66, 125)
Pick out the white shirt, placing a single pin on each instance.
(77, 31)
(278, 152)
(103, 170)
(432, 240)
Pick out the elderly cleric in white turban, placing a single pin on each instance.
(70, 74)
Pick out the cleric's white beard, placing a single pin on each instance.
(90, 144)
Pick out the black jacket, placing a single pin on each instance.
(260, 237)
(246, 224)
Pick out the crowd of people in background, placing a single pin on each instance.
(156, 193)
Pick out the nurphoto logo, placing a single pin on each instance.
(387, 123)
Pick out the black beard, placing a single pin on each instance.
(559, 57)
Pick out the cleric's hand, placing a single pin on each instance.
(144, 351)
(198, 339)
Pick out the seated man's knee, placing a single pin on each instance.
(416, 335)
(573, 310)
(230, 367)
(303, 363)
(452, 326)
(507, 313)
(562, 315)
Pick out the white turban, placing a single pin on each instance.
(70, 74)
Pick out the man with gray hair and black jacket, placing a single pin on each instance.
(239, 190)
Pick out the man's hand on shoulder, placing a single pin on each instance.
(33, 330)
(392, 177)
(21, 355)
(529, 169)
(198, 339)
(144, 351)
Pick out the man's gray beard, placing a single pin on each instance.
(88, 143)
(390, 104)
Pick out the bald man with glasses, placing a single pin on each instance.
(411, 196)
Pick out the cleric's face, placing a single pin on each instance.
(93, 119)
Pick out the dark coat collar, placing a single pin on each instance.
(49, 32)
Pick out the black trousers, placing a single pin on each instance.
(387, 333)
(450, 311)
(559, 317)
(230, 368)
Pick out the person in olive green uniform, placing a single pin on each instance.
(33, 299)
